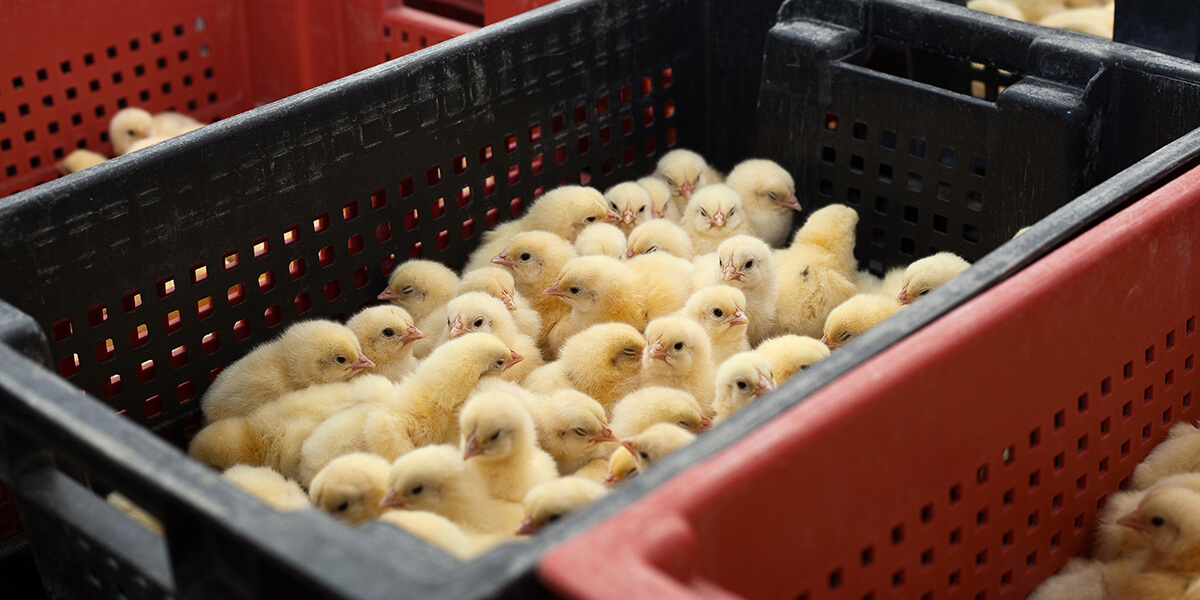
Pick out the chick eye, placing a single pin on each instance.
(389, 332)
(574, 290)
(590, 219)
(718, 313)
(670, 181)
(703, 213)
(525, 256)
(679, 345)
(131, 132)
(408, 289)
(579, 431)
(553, 518)
(772, 196)
(741, 385)
(343, 506)
(612, 205)
(684, 425)
(731, 211)
(495, 436)
(923, 293)
(651, 249)
(749, 264)
(479, 322)
(417, 490)
(500, 363)
(629, 351)
(642, 209)
(1157, 522)
(341, 360)
(644, 455)
(845, 336)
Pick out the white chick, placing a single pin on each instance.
(741, 379)
(714, 215)
(601, 239)
(927, 274)
(656, 442)
(350, 487)
(685, 173)
(307, 353)
(661, 206)
(479, 312)
(498, 282)
(768, 194)
(551, 501)
(855, 316)
(437, 480)
(386, 334)
(636, 412)
(791, 354)
(721, 311)
(599, 290)
(498, 435)
(535, 259)
(604, 362)
(746, 263)
(421, 287)
(679, 355)
(79, 160)
(632, 202)
(1179, 453)
(563, 211)
(573, 429)
(660, 235)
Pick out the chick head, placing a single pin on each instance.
(424, 479)
(322, 352)
(714, 209)
(420, 286)
(855, 316)
(477, 311)
(1168, 518)
(492, 424)
(791, 354)
(471, 355)
(586, 281)
(621, 466)
(568, 209)
(743, 378)
(529, 254)
(631, 201)
(384, 331)
(493, 281)
(676, 342)
(350, 487)
(553, 500)
(578, 419)
(657, 441)
(660, 195)
(684, 171)
(718, 308)
(746, 260)
(612, 346)
(128, 126)
(767, 181)
(925, 275)
(601, 239)
(660, 235)
(656, 404)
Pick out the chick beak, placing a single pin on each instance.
(528, 527)
(705, 423)
(793, 203)
(630, 444)
(685, 190)
(904, 298)
(659, 351)
(654, 212)
(739, 318)
(731, 273)
(508, 301)
(627, 216)
(472, 448)
(554, 290)
(502, 260)
(605, 435)
(828, 344)
(388, 294)
(363, 362)
(764, 385)
(611, 217)
(148, 133)
(414, 334)
(610, 479)
(513, 359)
(719, 220)
(629, 253)
(456, 328)
(391, 500)
(1131, 521)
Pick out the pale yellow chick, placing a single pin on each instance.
(855, 316)
(816, 273)
(421, 287)
(661, 206)
(791, 354)
(746, 263)
(266, 484)
(79, 160)
(678, 355)
(742, 379)
(498, 283)
(929, 273)
(1097, 21)
(599, 290)
(434, 529)
(660, 235)
(604, 362)
(638, 411)
(386, 334)
(551, 501)
(1179, 453)
(632, 202)
(721, 311)
(498, 435)
(307, 353)
(535, 259)
(438, 480)
(131, 125)
(1168, 518)
(714, 215)
(601, 239)
(685, 173)
(563, 211)
(656, 442)
(1001, 8)
(768, 194)
(573, 429)
(666, 281)
(620, 466)
(1084, 579)
(830, 231)
(135, 513)
(889, 285)
(350, 487)
(478, 312)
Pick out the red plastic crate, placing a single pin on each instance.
(967, 461)
(66, 66)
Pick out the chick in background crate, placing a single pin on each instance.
(1093, 17)
(644, 348)
(129, 130)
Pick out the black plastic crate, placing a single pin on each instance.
(188, 254)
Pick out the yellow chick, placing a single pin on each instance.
(1083, 579)
(563, 211)
(1179, 453)
(666, 281)
(603, 361)
(434, 529)
(1096, 21)
(498, 283)
(535, 259)
(638, 411)
(79, 160)
(714, 215)
(1168, 518)
(551, 501)
(816, 273)
(632, 202)
(601, 239)
(1000, 8)
(721, 311)
(742, 379)
(423, 411)
(1036, 10)
(656, 442)
(599, 290)
(136, 513)
(386, 334)
(927, 274)
(498, 435)
(685, 173)
(791, 354)
(421, 287)
(436, 479)
(266, 484)
(889, 285)
(573, 429)
(478, 312)
(307, 353)
(855, 316)
(661, 206)
(660, 235)
(746, 263)
(829, 232)
(350, 487)
(768, 194)
(621, 466)
(131, 125)
(678, 355)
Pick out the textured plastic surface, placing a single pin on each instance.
(968, 460)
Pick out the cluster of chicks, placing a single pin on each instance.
(1147, 544)
(1093, 17)
(131, 129)
(581, 344)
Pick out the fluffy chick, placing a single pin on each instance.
(307, 353)
(666, 281)
(1168, 518)
(1083, 579)
(386, 334)
(816, 273)
(685, 173)
(620, 466)
(598, 289)
(350, 487)
(746, 263)
(1179, 453)
(830, 231)
(563, 211)
(632, 202)
(479, 312)
(433, 529)
(573, 429)
(554, 500)
(1097, 21)
(790, 354)
(266, 484)
(498, 283)
(768, 194)
(127, 126)
(678, 355)
(714, 215)
(603, 361)
(855, 316)
(438, 480)
(721, 311)
(1001, 8)
(499, 436)
(660, 235)
(741, 380)
(657, 441)
(927, 274)
(638, 411)
(661, 206)
(601, 239)
(79, 160)
(535, 259)
(421, 287)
